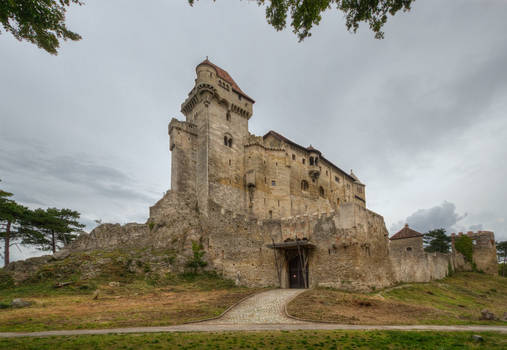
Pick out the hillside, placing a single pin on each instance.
(458, 299)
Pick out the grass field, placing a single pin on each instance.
(281, 340)
(174, 300)
(454, 300)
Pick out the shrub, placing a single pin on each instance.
(465, 246)
(196, 262)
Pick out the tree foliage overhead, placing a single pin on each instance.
(305, 14)
(41, 22)
(437, 241)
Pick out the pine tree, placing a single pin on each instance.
(437, 241)
(12, 221)
(52, 228)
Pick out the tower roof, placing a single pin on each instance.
(406, 232)
(222, 73)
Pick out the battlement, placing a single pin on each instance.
(188, 127)
(481, 239)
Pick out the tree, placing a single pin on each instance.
(305, 14)
(501, 249)
(41, 22)
(437, 241)
(196, 261)
(12, 220)
(52, 227)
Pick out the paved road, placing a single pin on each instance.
(261, 312)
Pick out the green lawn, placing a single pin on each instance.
(281, 340)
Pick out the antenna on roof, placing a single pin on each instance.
(206, 57)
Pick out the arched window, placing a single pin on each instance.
(311, 160)
(304, 185)
(228, 140)
(321, 191)
(228, 116)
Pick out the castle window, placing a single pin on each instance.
(337, 179)
(311, 160)
(293, 157)
(316, 160)
(278, 202)
(326, 172)
(304, 185)
(303, 160)
(228, 116)
(230, 162)
(273, 183)
(270, 214)
(338, 201)
(321, 191)
(409, 249)
(239, 96)
(276, 164)
(228, 141)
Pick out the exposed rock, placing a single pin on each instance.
(114, 284)
(477, 338)
(61, 254)
(487, 315)
(19, 303)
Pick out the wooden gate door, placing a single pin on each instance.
(296, 273)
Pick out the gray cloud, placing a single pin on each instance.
(440, 216)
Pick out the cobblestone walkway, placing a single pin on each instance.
(266, 307)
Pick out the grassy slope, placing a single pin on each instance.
(454, 300)
(145, 299)
(266, 340)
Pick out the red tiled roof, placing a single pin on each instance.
(284, 139)
(406, 232)
(222, 73)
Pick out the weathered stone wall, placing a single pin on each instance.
(409, 267)
(351, 248)
(484, 252)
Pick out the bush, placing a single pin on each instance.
(196, 262)
(6, 280)
(465, 246)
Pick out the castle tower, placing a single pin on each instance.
(208, 148)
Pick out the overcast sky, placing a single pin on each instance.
(420, 116)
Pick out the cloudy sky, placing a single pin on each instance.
(420, 116)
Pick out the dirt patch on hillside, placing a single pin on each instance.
(341, 307)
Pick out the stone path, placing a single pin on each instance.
(261, 312)
(262, 308)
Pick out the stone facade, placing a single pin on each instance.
(267, 211)
(215, 156)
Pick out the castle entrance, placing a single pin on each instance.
(296, 271)
(291, 262)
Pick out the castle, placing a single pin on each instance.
(269, 212)
(215, 156)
